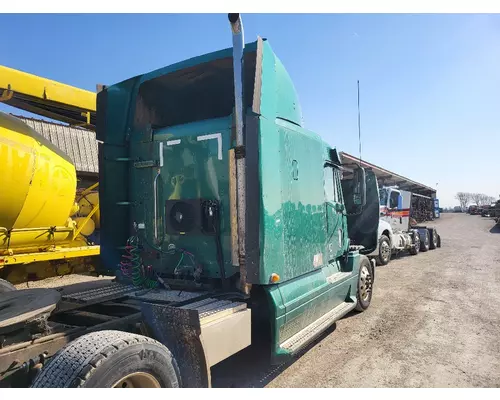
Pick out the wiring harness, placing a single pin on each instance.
(132, 265)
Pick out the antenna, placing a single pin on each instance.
(359, 126)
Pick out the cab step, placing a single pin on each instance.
(312, 331)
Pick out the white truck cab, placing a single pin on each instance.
(397, 231)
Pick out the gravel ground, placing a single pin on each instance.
(434, 321)
(60, 281)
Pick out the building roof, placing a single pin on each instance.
(79, 144)
(385, 177)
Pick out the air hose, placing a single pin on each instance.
(132, 266)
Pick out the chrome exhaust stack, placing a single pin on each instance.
(238, 49)
(239, 151)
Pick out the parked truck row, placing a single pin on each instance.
(226, 225)
(488, 210)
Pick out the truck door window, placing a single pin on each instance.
(393, 201)
(332, 185)
(337, 185)
(383, 197)
(328, 182)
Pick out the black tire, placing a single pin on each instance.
(425, 242)
(101, 359)
(415, 249)
(383, 259)
(6, 286)
(365, 284)
(434, 239)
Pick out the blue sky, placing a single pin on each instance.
(430, 84)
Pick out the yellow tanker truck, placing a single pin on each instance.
(44, 227)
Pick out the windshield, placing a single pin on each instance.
(383, 197)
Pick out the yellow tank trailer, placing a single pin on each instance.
(38, 236)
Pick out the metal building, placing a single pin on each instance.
(79, 144)
(385, 177)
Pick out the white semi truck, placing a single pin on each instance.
(398, 230)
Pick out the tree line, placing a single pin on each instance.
(481, 199)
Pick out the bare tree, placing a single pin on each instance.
(464, 199)
(476, 198)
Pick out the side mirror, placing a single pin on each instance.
(359, 192)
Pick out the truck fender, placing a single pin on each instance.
(385, 226)
(182, 339)
(382, 227)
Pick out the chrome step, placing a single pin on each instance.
(312, 331)
(338, 276)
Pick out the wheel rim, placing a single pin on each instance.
(137, 380)
(385, 251)
(417, 243)
(365, 286)
(434, 239)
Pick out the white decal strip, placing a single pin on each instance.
(217, 136)
(173, 142)
(161, 153)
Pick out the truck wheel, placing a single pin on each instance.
(414, 250)
(365, 285)
(425, 242)
(6, 286)
(434, 239)
(384, 251)
(110, 359)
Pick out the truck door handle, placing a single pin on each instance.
(155, 191)
(155, 206)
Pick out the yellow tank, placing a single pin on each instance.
(38, 186)
(74, 209)
(87, 203)
(87, 226)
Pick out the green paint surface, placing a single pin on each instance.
(302, 224)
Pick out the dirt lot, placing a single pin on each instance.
(60, 281)
(434, 321)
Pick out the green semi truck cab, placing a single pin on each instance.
(180, 191)
(224, 220)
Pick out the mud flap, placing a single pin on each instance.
(170, 326)
(432, 232)
(199, 334)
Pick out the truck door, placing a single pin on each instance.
(394, 206)
(362, 223)
(334, 213)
